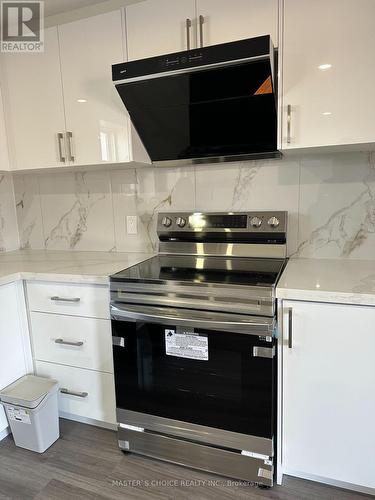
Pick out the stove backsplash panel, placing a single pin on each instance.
(330, 200)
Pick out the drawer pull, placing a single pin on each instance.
(64, 299)
(69, 140)
(201, 22)
(67, 342)
(290, 328)
(63, 390)
(188, 26)
(288, 122)
(60, 139)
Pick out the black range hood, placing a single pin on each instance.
(211, 104)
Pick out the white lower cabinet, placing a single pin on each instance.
(83, 393)
(15, 354)
(74, 341)
(328, 393)
(69, 298)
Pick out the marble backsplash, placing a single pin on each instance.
(8, 220)
(330, 200)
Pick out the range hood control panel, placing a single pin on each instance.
(173, 62)
(225, 53)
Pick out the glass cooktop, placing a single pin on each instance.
(196, 269)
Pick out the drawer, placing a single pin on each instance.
(74, 341)
(74, 299)
(95, 391)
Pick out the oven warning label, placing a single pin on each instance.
(186, 344)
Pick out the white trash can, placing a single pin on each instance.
(32, 410)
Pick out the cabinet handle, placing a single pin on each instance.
(188, 26)
(201, 23)
(64, 299)
(288, 123)
(60, 138)
(290, 328)
(63, 390)
(69, 137)
(67, 342)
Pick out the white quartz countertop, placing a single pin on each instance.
(343, 281)
(65, 266)
(321, 280)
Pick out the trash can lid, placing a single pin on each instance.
(28, 391)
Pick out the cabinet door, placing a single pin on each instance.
(4, 158)
(328, 392)
(159, 27)
(72, 341)
(34, 106)
(225, 21)
(94, 396)
(95, 115)
(328, 72)
(13, 363)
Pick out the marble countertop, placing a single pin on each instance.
(65, 266)
(344, 281)
(322, 280)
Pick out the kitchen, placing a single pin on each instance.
(274, 232)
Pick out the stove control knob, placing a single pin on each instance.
(181, 222)
(256, 221)
(273, 221)
(167, 221)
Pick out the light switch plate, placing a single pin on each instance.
(131, 224)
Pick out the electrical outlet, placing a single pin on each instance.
(131, 224)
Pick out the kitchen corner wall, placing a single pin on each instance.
(330, 200)
(8, 220)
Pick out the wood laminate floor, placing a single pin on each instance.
(86, 464)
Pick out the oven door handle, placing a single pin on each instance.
(198, 319)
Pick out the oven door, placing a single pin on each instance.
(212, 372)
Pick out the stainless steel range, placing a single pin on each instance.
(194, 344)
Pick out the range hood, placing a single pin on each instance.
(211, 104)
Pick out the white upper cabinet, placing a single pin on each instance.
(160, 27)
(157, 27)
(61, 107)
(328, 392)
(4, 158)
(328, 73)
(33, 103)
(221, 21)
(96, 121)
